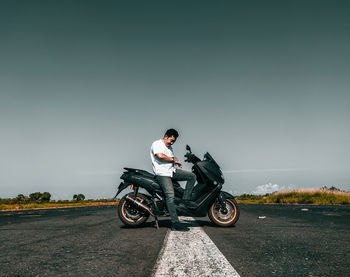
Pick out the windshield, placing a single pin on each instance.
(211, 169)
(207, 156)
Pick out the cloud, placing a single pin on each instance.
(269, 188)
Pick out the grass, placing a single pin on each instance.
(323, 196)
(301, 196)
(54, 204)
(249, 198)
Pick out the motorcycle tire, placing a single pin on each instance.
(218, 217)
(131, 215)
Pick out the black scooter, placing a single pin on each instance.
(135, 208)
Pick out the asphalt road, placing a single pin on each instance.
(88, 241)
(288, 242)
(91, 241)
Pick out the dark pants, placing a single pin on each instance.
(167, 186)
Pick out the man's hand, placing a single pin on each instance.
(177, 162)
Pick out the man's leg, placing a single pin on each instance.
(167, 186)
(183, 175)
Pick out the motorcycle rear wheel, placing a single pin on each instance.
(220, 218)
(130, 214)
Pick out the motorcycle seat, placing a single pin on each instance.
(150, 179)
(140, 171)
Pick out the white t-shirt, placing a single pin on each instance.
(160, 167)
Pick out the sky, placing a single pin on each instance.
(87, 86)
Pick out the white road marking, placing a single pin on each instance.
(191, 253)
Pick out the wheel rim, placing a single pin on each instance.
(130, 212)
(220, 215)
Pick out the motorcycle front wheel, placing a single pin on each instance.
(129, 213)
(224, 218)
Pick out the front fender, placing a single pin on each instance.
(223, 195)
(226, 195)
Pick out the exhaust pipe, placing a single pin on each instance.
(139, 204)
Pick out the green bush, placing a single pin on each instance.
(35, 197)
(45, 197)
(78, 197)
(39, 197)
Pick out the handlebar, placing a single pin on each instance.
(191, 158)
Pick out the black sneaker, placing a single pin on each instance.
(190, 204)
(179, 227)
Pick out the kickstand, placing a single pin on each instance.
(156, 222)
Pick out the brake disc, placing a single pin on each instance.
(132, 213)
(225, 216)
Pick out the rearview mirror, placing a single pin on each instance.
(188, 148)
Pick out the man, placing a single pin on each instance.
(164, 162)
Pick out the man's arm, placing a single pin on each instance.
(164, 157)
(168, 159)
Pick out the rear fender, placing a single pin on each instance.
(122, 186)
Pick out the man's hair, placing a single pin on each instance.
(171, 132)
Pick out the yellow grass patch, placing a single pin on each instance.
(27, 206)
(309, 196)
(300, 196)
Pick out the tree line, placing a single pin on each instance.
(37, 197)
